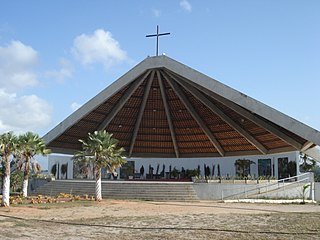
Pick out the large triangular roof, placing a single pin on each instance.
(163, 108)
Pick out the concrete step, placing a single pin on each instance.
(122, 190)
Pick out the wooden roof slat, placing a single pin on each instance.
(196, 93)
(122, 101)
(193, 112)
(168, 114)
(245, 113)
(140, 114)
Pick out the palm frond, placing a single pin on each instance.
(101, 149)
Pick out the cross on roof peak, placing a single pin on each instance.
(157, 35)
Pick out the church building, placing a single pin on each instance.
(174, 121)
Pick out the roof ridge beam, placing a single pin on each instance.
(122, 102)
(247, 114)
(140, 114)
(197, 94)
(195, 115)
(167, 110)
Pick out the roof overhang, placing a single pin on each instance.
(162, 108)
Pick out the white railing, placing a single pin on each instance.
(260, 189)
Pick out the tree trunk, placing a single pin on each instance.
(98, 185)
(25, 179)
(6, 185)
(25, 187)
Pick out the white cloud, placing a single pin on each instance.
(66, 70)
(156, 12)
(186, 5)
(20, 113)
(25, 113)
(17, 62)
(74, 106)
(100, 47)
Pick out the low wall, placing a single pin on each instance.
(317, 191)
(220, 191)
(35, 183)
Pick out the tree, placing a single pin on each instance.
(243, 167)
(101, 150)
(307, 164)
(8, 145)
(317, 173)
(16, 179)
(29, 145)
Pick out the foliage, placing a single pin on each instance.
(8, 147)
(192, 173)
(16, 179)
(30, 145)
(142, 170)
(22, 149)
(101, 150)
(43, 176)
(207, 171)
(243, 166)
(317, 173)
(307, 164)
(41, 199)
(304, 191)
(266, 177)
(175, 172)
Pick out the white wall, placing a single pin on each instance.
(317, 191)
(226, 163)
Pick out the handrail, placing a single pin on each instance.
(289, 178)
(258, 188)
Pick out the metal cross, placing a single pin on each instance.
(157, 35)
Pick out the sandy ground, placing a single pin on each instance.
(115, 219)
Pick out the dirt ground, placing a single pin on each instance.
(116, 219)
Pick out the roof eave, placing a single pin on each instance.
(201, 80)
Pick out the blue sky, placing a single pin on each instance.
(56, 55)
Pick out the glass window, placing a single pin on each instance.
(264, 167)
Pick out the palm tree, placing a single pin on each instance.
(101, 150)
(29, 145)
(8, 143)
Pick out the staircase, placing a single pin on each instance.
(156, 191)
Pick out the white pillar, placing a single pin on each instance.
(25, 188)
(98, 185)
(6, 191)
